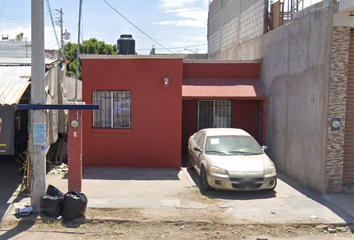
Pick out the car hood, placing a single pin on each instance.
(254, 163)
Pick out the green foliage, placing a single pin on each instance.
(91, 46)
(19, 37)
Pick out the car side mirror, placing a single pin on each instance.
(198, 149)
(265, 148)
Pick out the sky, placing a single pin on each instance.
(172, 26)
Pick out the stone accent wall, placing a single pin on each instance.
(337, 105)
(233, 22)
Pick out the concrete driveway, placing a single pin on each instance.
(166, 189)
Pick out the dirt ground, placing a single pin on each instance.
(151, 224)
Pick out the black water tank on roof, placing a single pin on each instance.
(126, 44)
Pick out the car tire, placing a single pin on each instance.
(189, 163)
(204, 185)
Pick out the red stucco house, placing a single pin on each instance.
(150, 105)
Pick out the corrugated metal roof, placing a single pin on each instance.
(17, 49)
(23, 61)
(14, 81)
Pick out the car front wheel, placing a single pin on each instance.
(204, 185)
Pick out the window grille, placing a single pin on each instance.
(114, 111)
(214, 114)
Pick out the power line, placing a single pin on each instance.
(51, 17)
(307, 56)
(174, 47)
(16, 18)
(317, 70)
(66, 24)
(2, 8)
(137, 27)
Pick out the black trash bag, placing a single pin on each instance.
(54, 192)
(52, 206)
(74, 205)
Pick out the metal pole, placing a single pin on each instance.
(37, 145)
(61, 32)
(78, 52)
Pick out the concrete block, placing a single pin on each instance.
(326, 3)
(312, 8)
(300, 14)
(260, 4)
(318, 6)
(306, 11)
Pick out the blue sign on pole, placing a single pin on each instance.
(39, 134)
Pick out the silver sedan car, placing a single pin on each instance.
(230, 159)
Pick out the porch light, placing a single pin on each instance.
(166, 80)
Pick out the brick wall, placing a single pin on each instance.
(252, 21)
(337, 105)
(233, 22)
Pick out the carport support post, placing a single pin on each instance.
(37, 152)
(75, 151)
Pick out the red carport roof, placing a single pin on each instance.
(200, 88)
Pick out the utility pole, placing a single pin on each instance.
(78, 52)
(61, 31)
(37, 147)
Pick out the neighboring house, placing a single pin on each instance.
(150, 105)
(15, 84)
(307, 70)
(15, 49)
(14, 81)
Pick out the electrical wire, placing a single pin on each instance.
(51, 17)
(137, 27)
(2, 8)
(52, 46)
(66, 24)
(307, 56)
(319, 73)
(174, 47)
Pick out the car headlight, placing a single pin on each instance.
(218, 171)
(270, 170)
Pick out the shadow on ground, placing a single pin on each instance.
(290, 188)
(10, 179)
(21, 226)
(130, 174)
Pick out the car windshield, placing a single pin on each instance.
(232, 145)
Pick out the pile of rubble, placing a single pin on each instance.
(61, 169)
